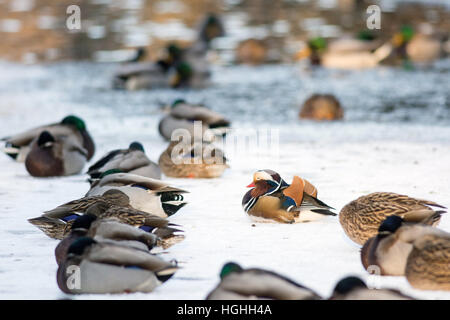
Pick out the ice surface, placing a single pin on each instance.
(395, 137)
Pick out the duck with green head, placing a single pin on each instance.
(132, 160)
(237, 283)
(111, 268)
(18, 146)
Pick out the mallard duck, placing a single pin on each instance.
(251, 51)
(108, 230)
(353, 54)
(18, 146)
(321, 107)
(182, 116)
(362, 217)
(428, 264)
(132, 160)
(145, 194)
(272, 198)
(353, 288)
(51, 156)
(184, 162)
(388, 251)
(93, 267)
(242, 284)
(57, 223)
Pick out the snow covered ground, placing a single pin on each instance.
(395, 137)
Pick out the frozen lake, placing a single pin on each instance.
(395, 137)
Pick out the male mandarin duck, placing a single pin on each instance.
(272, 198)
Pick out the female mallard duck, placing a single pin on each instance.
(18, 146)
(272, 198)
(108, 268)
(242, 284)
(182, 116)
(388, 250)
(321, 107)
(51, 156)
(353, 288)
(428, 264)
(354, 54)
(108, 230)
(183, 162)
(57, 223)
(362, 217)
(132, 160)
(145, 194)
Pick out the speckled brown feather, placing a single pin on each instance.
(361, 218)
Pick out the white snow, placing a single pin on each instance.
(400, 151)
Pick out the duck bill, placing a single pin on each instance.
(251, 185)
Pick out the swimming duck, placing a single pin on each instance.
(107, 268)
(428, 264)
(132, 160)
(362, 217)
(387, 250)
(353, 288)
(182, 116)
(251, 51)
(18, 146)
(242, 284)
(272, 198)
(321, 107)
(57, 223)
(51, 156)
(108, 230)
(186, 163)
(145, 194)
(350, 55)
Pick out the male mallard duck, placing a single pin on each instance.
(185, 163)
(93, 267)
(388, 250)
(353, 288)
(345, 56)
(182, 116)
(362, 217)
(58, 222)
(242, 284)
(18, 146)
(428, 264)
(132, 160)
(272, 198)
(321, 107)
(145, 194)
(105, 230)
(51, 156)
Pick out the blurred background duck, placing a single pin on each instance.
(362, 217)
(183, 114)
(389, 250)
(196, 160)
(428, 264)
(108, 268)
(272, 198)
(353, 288)
(237, 283)
(150, 195)
(18, 146)
(345, 53)
(132, 160)
(52, 156)
(321, 107)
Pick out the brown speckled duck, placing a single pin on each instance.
(272, 198)
(321, 107)
(198, 160)
(362, 217)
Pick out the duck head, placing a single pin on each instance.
(83, 222)
(183, 74)
(390, 225)
(315, 47)
(229, 268)
(347, 285)
(266, 177)
(136, 146)
(45, 140)
(80, 245)
(75, 121)
(212, 28)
